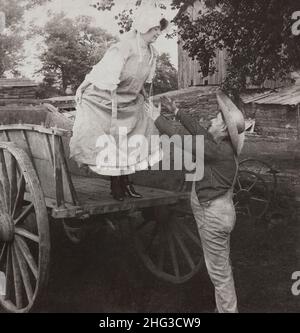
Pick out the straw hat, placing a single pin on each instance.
(234, 120)
(147, 16)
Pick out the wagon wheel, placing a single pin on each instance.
(24, 232)
(251, 196)
(261, 168)
(168, 244)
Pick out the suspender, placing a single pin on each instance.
(236, 171)
(225, 179)
(114, 115)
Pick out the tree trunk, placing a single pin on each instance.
(63, 80)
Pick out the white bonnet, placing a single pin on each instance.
(147, 16)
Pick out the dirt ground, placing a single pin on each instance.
(104, 275)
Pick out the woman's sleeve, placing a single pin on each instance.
(106, 74)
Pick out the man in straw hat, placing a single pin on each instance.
(211, 197)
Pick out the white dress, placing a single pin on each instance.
(97, 140)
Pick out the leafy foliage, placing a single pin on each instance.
(72, 47)
(11, 41)
(166, 75)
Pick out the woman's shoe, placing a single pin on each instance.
(117, 190)
(129, 189)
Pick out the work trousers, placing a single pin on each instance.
(215, 220)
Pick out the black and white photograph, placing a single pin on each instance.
(149, 158)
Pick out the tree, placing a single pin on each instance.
(166, 75)
(11, 41)
(72, 47)
(256, 34)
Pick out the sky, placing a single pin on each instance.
(105, 20)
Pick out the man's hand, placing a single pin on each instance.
(152, 111)
(169, 104)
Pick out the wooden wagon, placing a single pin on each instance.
(39, 186)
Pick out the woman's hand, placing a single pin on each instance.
(144, 93)
(78, 96)
(81, 89)
(152, 111)
(169, 104)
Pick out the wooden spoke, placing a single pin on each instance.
(19, 197)
(4, 178)
(2, 253)
(259, 199)
(3, 164)
(8, 274)
(252, 186)
(189, 233)
(27, 234)
(184, 249)
(24, 273)
(173, 254)
(27, 255)
(236, 204)
(17, 280)
(162, 254)
(239, 183)
(3, 202)
(152, 237)
(26, 212)
(161, 259)
(13, 183)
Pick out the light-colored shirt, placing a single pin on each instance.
(106, 73)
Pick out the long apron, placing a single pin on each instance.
(119, 142)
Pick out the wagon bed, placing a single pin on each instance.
(94, 197)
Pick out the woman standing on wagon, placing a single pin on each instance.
(112, 97)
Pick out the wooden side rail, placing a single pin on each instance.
(46, 151)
